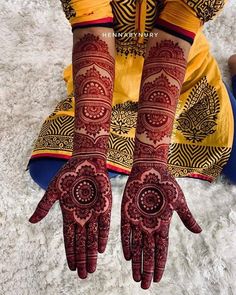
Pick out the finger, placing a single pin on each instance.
(160, 257)
(136, 253)
(49, 198)
(92, 246)
(103, 231)
(80, 251)
(148, 260)
(69, 239)
(126, 238)
(188, 219)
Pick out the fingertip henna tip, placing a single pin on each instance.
(137, 278)
(197, 229)
(101, 249)
(127, 257)
(157, 279)
(91, 268)
(145, 285)
(82, 275)
(72, 268)
(33, 219)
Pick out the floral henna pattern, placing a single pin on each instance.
(93, 72)
(82, 186)
(157, 112)
(84, 192)
(151, 193)
(94, 107)
(163, 74)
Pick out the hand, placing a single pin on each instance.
(83, 189)
(150, 197)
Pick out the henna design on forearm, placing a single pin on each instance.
(163, 75)
(93, 72)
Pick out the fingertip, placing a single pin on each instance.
(71, 265)
(82, 274)
(72, 268)
(91, 268)
(34, 219)
(196, 229)
(145, 284)
(137, 277)
(157, 278)
(102, 246)
(127, 255)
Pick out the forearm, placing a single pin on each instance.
(163, 75)
(93, 74)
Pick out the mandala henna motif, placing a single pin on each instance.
(82, 195)
(82, 186)
(165, 66)
(157, 122)
(151, 193)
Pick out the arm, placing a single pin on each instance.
(152, 194)
(82, 186)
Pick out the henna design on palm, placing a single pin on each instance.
(151, 195)
(84, 191)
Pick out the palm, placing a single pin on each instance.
(150, 197)
(83, 189)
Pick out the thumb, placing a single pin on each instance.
(49, 198)
(188, 219)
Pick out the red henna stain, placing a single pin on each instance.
(82, 186)
(151, 193)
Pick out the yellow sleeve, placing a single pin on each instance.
(184, 18)
(206, 10)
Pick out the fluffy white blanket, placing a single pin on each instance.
(35, 46)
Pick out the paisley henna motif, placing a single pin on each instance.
(151, 193)
(82, 186)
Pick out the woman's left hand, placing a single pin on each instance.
(150, 197)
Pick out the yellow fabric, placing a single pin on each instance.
(180, 14)
(203, 88)
(206, 10)
(140, 18)
(202, 64)
(89, 10)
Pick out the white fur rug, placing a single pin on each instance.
(35, 46)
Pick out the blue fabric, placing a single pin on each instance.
(234, 85)
(229, 169)
(43, 170)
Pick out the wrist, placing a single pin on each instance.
(86, 146)
(144, 152)
(83, 156)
